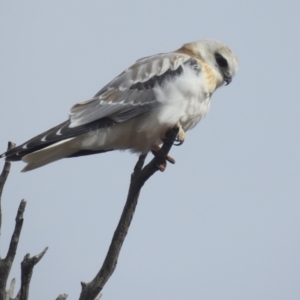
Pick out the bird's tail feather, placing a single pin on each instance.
(48, 155)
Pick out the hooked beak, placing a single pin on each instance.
(227, 78)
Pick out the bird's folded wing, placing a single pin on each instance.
(131, 93)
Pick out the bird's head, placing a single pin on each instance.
(216, 55)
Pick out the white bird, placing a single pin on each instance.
(135, 110)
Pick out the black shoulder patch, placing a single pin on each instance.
(194, 65)
(149, 84)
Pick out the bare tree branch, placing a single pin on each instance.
(91, 290)
(26, 270)
(16, 234)
(140, 175)
(6, 263)
(3, 177)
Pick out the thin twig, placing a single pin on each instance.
(138, 178)
(3, 177)
(6, 263)
(16, 234)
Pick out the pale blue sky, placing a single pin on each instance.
(224, 221)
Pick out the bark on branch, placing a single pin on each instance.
(6, 263)
(139, 176)
(91, 290)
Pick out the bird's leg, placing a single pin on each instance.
(156, 151)
(180, 136)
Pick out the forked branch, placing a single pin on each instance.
(91, 290)
(6, 263)
(138, 178)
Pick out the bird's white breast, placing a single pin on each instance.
(184, 100)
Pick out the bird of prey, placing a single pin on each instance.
(137, 108)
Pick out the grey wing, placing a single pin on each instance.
(131, 93)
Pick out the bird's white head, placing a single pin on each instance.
(217, 55)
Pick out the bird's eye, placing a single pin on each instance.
(222, 62)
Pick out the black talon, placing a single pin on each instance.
(178, 144)
(170, 160)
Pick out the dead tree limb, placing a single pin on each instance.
(6, 263)
(140, 175)
(26, 272)
(91, 290)
(3, 178)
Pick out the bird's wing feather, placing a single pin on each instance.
(131, 93)
(128, 95)
(56, 134)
